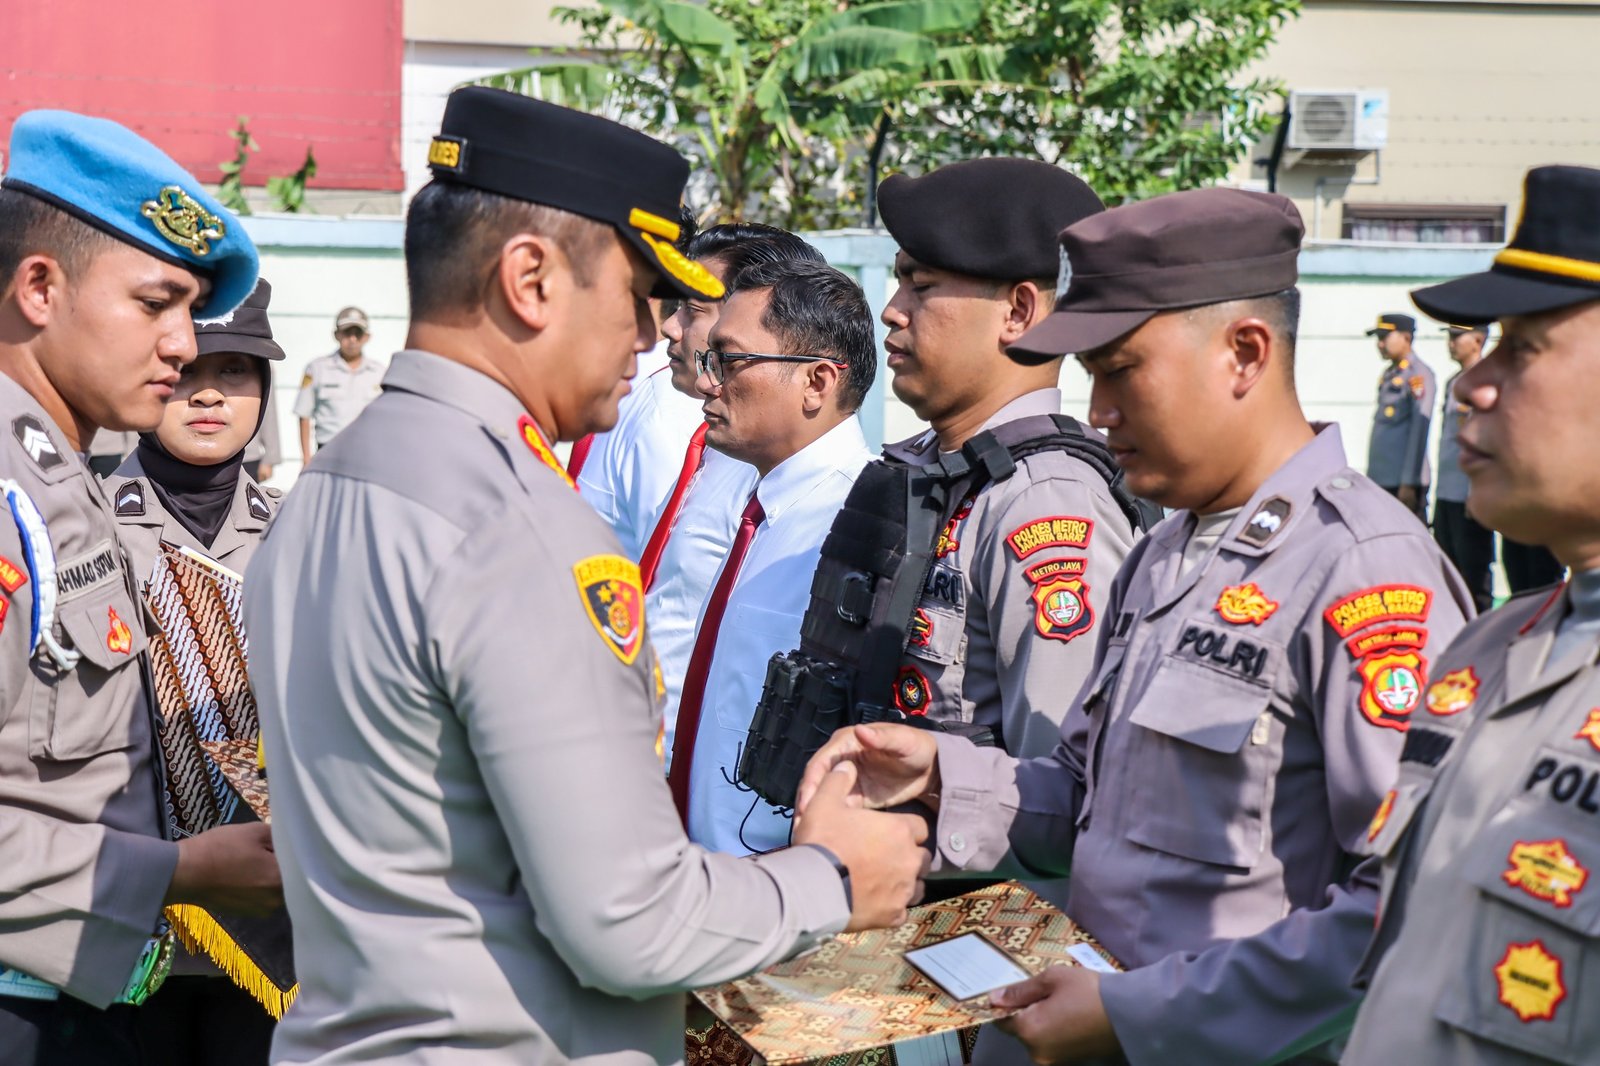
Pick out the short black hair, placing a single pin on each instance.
(817, 310)
(30, 226)
(737, 245)
(454, 234)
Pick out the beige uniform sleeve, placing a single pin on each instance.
(558, 696)
(1044, 587)
(78, 900)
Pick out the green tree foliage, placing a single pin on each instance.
(231, 191)
(787, 107)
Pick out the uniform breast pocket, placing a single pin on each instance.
(1529, 960)
(937, 636)
(93, 708)
(1202, 753)
(756, 635)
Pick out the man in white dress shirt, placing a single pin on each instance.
(788, 363)
(694, 537)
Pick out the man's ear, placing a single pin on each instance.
(1255, 349)
(1026, 304)
(37, 288)
(531, 271)
(823, 380)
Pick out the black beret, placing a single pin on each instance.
(244, 329)
(535, 151)
(987, 218)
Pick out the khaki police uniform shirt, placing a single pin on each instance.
(1006, 626)
(332, 393)
(1489, 946)
(1397, 454)
(461, 712)
(143, 521)
(83, 868)
(1216, 776)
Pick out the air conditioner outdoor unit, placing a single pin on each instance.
(1338, 120)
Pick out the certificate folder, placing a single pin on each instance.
(857, 992)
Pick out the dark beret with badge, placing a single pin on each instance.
(244, 329)
(1390, 322)
(530, 150)
(108, 177)
(1552, 262)
(986, 218)
(1122, 267)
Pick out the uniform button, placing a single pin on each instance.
(1339, 483)
(958, 842)
(1388, 412)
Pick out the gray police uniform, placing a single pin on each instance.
(1006, 622)
(1217, 775)
(1397, 454)
(86, 868)
(1488, 949)
(1453, 483)
(143, 522)
(332, 393)
(461, 712)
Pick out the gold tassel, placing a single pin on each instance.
(200, 933)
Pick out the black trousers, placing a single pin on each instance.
(1469, 546)
(204, 1021)
(68, 1032)
(1528, 566)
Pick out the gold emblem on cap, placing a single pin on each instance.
(445, 153)
(180, 219)
(641, 219)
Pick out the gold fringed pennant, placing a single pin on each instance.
(200, 933)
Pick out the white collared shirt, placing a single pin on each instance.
(689, 567)
(800, 496)
(633, 467)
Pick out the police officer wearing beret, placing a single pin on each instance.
(459, 700)
(1487, 948)
(977, 267)
(1397, 454)
(1262, 653)
(106, 245)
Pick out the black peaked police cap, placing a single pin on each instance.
(1553, 260)
(527, 149)
(993, 218)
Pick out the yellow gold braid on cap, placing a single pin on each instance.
(641, 219)
(1558, 265)
(685, 270)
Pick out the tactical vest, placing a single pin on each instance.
(869, 581)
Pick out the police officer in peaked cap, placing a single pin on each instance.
(106, 247)
(459, 700)
(1486, 949)
(1397, 452)
(1261, 654)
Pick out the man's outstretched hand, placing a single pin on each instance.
(894, 765)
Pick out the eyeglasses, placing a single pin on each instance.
(715, 364)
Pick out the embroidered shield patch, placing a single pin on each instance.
(119, 638)
(1061, 599)
(1392, 687)
(1546, 870)
(911, 692)
(613, 598)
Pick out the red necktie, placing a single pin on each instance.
(694, 681)
(658, 537)
(579, 455)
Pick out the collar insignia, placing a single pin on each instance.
(533, 437)
(31, 434)
(130, 499)
(257, 503)
(1265, 523)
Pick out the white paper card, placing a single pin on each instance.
(1090, 959)
(966, 966)
(940, 1049)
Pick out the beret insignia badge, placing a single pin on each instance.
(181, 219)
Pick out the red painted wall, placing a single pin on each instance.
(317, 73)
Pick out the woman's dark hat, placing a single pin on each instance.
(245, 329)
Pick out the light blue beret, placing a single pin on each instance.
(120, 183)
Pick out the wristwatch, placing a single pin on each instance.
(844, 873)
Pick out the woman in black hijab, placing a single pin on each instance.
(185, 483)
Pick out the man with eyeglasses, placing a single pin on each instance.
(339, 385)
(784, 371)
